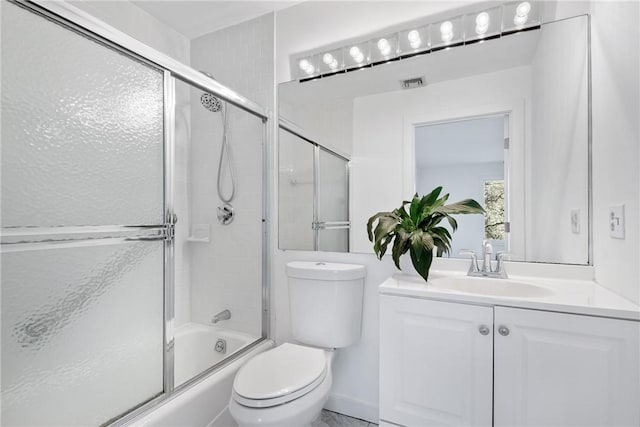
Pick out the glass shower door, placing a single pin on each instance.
(333, 202)
(83, 214)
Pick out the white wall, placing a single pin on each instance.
(379, 160)
(227, 271)
(130, 19)
(295, 192)
(616, 138)
(329, 125)
(557, 159)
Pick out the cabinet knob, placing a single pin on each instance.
(503, 330)
(484, 330)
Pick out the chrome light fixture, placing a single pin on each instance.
(475, 27)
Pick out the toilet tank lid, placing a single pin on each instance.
(325, 270)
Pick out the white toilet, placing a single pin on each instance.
(289, 385)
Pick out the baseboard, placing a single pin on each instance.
(352, 407)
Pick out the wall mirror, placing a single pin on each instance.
(505, 122)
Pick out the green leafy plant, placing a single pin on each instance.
(413, 227)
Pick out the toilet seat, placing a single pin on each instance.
(280, 375)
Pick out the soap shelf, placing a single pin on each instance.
(200, 233)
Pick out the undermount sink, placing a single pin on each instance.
(490, 286)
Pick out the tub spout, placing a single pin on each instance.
(223, 315)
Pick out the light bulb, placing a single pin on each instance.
(303, 64)
(446, 27)
(327, 58)
(482, 23)
(310, 69)
(334, 64)
(414, 39)
(413, 36)
(354, 52)
(482, 20)
(523, 8)
(520, 20)
(446, 31)
(384, 47)
(481, 30)
(359, 57)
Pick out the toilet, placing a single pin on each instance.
(289, 384)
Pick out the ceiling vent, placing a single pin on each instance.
(413, 83)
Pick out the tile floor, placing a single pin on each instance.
(333, 419)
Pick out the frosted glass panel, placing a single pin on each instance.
(333, 240)
(333, 202)
(332, 188)
(82, 129)
(82, 331)
(295, 196)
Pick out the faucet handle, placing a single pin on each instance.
(474, 259)
(500, 256)
(469, 252)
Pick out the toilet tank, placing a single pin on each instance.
(325, 301)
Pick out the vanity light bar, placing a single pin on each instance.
(456, 31)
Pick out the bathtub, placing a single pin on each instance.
(203, 404)
(195, 348)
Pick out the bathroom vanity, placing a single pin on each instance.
(506, 352)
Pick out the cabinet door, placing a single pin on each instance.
(435, 364)
(564, 369)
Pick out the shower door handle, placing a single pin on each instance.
(330, 225)
(145, 238)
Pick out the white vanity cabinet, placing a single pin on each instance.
(449, 363)
(565, 369)
(436, 367)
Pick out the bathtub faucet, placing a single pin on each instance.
(223, 315)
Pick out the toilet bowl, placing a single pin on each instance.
(285, 386)
(288, 386)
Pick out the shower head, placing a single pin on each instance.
(208, 100)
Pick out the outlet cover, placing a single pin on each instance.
(616, 221)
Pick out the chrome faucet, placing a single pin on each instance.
(487, 250)
(223, 315)
(486, 270)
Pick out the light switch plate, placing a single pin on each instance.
(616, 221)
(575, 221)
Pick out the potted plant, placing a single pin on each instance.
(414, 227)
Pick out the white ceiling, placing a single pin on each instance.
(194, 18)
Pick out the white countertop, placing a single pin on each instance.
(569, 296)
